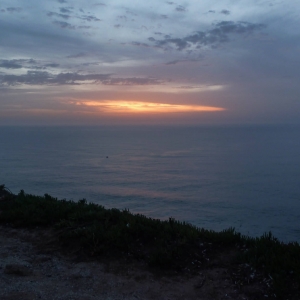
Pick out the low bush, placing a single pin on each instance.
(170, 244)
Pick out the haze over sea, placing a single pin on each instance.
(247, 177)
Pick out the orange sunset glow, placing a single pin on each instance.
(145, 107)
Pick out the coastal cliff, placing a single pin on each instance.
(59, 249)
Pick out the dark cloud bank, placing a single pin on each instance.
(218, 35)
(46, 78)
(25, 63)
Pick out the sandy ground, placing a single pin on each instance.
(32, 267)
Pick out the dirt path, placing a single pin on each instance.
(32, 268)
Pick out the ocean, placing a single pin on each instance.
(216, 177)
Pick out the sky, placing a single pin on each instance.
(116, 62)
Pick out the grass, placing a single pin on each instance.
(94, 231)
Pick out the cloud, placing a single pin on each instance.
(225, 12)
(84, 27)
(124, 18)
(25, 63)
(132, 81)
(14, 9)
(62, 1)
(226, 27)
(180, 8)
(64, 10)
(10, 64)
(52, 65)
(64, 16)
(78, 55)
(64, 25)
(47, 78)
(188, 87)
(139, 44)
(100, 4)
(73, 78)
(219, 34)
(123, 106)
(32, 77)
(131, 13)
(89, 18)
(174, 62)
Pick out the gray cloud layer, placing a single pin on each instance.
(26, 64)
(219, 34)
(47, 78)
(251, 54)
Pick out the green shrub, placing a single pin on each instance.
(170, 244)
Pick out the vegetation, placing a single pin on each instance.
(91, 230)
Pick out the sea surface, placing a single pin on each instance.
(216, 177)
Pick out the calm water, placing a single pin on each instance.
(213, 177)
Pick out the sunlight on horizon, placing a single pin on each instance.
(144, 107)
